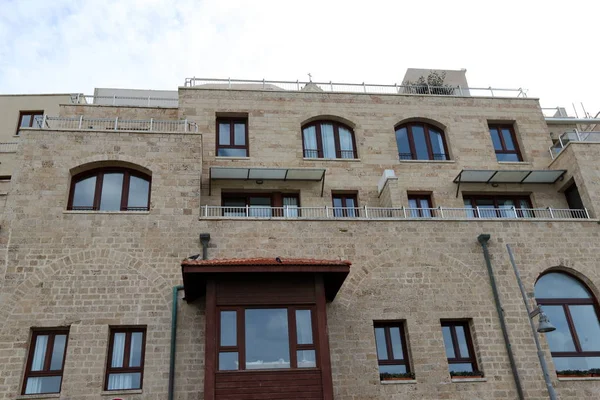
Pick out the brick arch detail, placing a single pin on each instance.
(580, 270)
(113, 157)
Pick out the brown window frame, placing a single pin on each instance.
(33, 114)
(386, 325)
(421, 212)
(353, 212)
(232, 121)
(336, 138)
(45, 372)
(495, 197)
(99, 174)
(452, 324)
(504, 150)
(294, 346)
(411, 142)
(126, 352)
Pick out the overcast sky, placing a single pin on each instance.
(547, 47)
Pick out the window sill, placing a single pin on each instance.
(468, 380)
(428, 161)
(514, 162)
(106, 212)
(38, 396)
(582, 378)
(231, 158)
(332, 159)
(399, 382)
(120, 392)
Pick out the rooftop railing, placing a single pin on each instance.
(574, 136)
(116, 124)
(131, 101)
(333, 87)
(398, 213)
(10, 147)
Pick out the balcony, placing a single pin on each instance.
(126, 101)
(398, 213)
(116, 124)
(574, 136)
(8, 147)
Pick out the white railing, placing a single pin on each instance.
(398, 213)
(298, 86)
(574, 136)
(10, 147)
(132, 101)
(116, 124)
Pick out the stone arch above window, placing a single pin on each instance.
(327, 138)
(573, 310)
(110, 188)
(421, 140)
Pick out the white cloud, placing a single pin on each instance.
(68, 46)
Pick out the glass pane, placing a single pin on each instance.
(587, 326)
(420, 145)
(462, 342)
(337, 202)
(58, 352)
(304, 327)
(118, 350)
(437, 144)
(39, 353)
(380, 342)
(448, 342)
(229, 328)
(83, 195)
(470, 212)
(463, 367)
(306, 359)
(403, 145)
(559, 285)
(46, 384)
(575, 363)
(267, 340)
(124, 381)
(392, 369)
(328, 140)
(138, 193)
(232, 152)
(486, 208)
(508, 141)
(346, 145)
(310, 142)
(397, 352)
(507, 157)
(135, 352)
(239, 133)
(260, 207)
(560, 339)
(224, 134)
(25, 120)
(228, 361)
(496, 139)
(112, 186)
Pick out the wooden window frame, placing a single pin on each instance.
(456, 347)
(346, 213)
(411, 142)
(45, 372)
(504, 150)
(126, 352)
(420, 197)
(232, 121)
(495, 197)
(33, 114)
(336, 137)
(294, 346)
(388, 344)
(99, 174)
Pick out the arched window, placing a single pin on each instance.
(110, 189)
(421, 141)
(572, 309)
(328, 139)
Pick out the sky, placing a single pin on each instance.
(63, 46)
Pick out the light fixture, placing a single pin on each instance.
(544, 325)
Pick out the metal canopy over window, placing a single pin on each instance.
(260, 174)
(508, 176)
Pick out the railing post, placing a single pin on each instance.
(206, 210)
(491, 91)
(477, 211)
(43, 121)
(148, 101)
(364, 87)
(578, 135)
(185, 125)
(514, 210)
(151, 123)
(80, 122)
(428, 89)
(366, 212)
(247, 210)
(404, 211)
(114, 100)
(441, 212)
(263, 83)
(326, 212)
(285, 211)
(587, 214)
(116, 122)
(562, 146)
(551, 213)
(229, 84)
(331, 85)
(297, 85)
(460, 90)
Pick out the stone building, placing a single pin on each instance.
(262, 240)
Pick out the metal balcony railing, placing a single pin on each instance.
(574, 136)
(131, 101)
(333, 87)
(116, 124)
(10, 147)
(398, 213)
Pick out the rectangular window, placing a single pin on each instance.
(392, 354)
(261, 205)
(266, 338)
(505, 143)
(125, 368)
(232, 137)
(46, 361)
(345, 206)
(30, 119)
(459, 347)
(498, 206)
(420, 206)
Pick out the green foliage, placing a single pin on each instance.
(579, 372)
(467, 373)
(386, 375)
(433, 84)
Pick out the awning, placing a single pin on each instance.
(266, 174)
(197, 272)
(547, 176)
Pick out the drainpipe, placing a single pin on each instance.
(204, 239)
(483, 240)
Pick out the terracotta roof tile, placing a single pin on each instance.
(265, 261)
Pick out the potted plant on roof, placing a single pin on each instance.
(405, 376)
(432, 84)
(595, 372)
(466, 374)
(577, 373)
